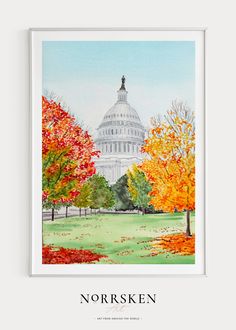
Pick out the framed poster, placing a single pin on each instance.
(118, 151)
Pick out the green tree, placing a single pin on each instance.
(139, 188)
(84, 199)
(102, 196)
(122, 196)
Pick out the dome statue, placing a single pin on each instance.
(119, 138)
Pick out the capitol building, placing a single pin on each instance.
(119, 138)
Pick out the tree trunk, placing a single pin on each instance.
(188, 231)
(52, 214)
(66, 211)
(85, 212)
(143, 210)
(90, 211)
(80, 211)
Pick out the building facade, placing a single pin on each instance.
(119, 138)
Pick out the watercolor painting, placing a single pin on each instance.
(118, 152)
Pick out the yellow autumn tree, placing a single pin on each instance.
(170, 165)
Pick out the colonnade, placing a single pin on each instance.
(119, 147)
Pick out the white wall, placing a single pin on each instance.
(53, 303)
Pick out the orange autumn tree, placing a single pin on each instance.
(67, 152)
(170, 166)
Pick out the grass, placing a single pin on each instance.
(124, 238)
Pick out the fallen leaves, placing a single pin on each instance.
(60, 255)
(176, 244)
(125, 253)
(124, 239)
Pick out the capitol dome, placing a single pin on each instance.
(119, 138)
(121, 109)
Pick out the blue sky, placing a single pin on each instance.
(86, 74)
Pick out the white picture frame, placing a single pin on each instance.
(36, 38)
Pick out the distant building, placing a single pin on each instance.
(119, 138)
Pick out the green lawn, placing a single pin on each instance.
(124, 238)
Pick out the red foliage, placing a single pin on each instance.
(60, 255)
(67, 152)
